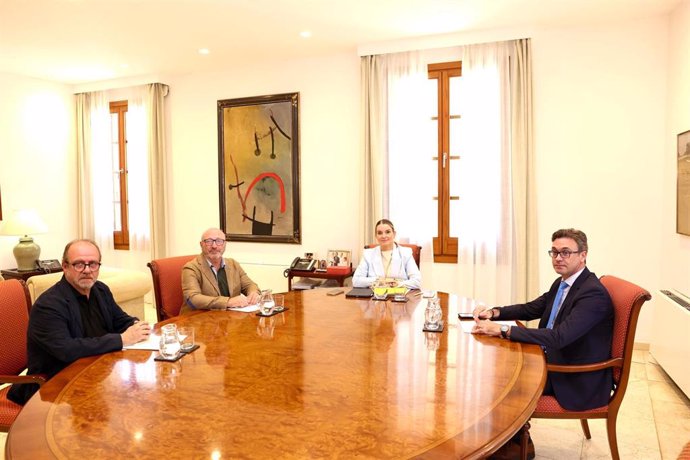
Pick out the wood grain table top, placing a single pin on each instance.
(332, 377)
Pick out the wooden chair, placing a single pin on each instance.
(14, 311)
(627, 301)
(167, 285)
(416, 250)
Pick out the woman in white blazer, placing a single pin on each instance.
(388, 260)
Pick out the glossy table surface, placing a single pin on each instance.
(329, 378)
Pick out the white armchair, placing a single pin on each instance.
(128, 287)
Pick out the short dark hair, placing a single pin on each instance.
(386, 222)
(80, 240)
(577, 235)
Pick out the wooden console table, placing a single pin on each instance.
(339, 277)
(14, 274)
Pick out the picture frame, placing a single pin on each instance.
(683, 184)
(338, 258)
(259, 168)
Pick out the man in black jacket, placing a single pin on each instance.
(76, 317)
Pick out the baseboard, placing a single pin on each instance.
(641, 346)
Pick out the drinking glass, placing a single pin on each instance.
(186, 335)
(170, 341)
(279, 302)
(266, 302)
(433, 314)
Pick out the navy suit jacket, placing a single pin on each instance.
(581, 334)
(55, 337)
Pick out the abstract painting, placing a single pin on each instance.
(258, 150)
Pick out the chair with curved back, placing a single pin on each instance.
(14, 311)
(416, 250)
(627, 301)
(167, 285)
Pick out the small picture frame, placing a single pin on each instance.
(339, 258)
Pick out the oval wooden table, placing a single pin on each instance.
(329, 378)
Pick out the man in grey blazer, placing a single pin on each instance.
(212, 282)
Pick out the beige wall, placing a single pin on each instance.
(675, 259)
(601, 140)
(37, 160)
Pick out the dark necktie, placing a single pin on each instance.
(556, 304)
(223, 283)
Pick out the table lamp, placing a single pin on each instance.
(24, 222)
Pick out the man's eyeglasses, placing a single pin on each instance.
(564, 253)
(81, 266)
(211, 241)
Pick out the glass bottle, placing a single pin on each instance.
(266, 303)
(433, 314)
(170, 341)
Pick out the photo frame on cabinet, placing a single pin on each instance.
(683, 184)
(338, 258)
(258, 158)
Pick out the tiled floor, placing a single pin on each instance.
(653, 423)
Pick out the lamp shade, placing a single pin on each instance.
(24, 222)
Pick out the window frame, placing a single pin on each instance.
(444, 245)
(121, 236)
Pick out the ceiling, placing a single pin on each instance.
(81, 41)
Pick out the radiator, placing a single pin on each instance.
(670, 344)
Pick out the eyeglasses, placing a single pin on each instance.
(564, 253)
(211, 241)
(81, 266)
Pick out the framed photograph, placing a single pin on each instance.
(258, 162)
(338, 258)
(683, 185)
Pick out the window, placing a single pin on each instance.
(444, 83)
(118, 125)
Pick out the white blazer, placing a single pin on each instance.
(402, 267)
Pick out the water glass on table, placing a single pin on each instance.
(186, 334)
(279, 302)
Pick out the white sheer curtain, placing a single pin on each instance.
(96, 164)
(138, 170)
(95, 168)
(483, 220)
(396, 143)
(490, 221)
(494, 219)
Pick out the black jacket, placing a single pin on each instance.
(55, 337)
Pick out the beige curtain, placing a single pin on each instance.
(155, 107)
(374, 100)
(84, 201)
(523, 174)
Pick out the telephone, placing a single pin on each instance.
(302, 264)
(50, 265)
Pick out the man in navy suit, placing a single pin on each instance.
(575, 327)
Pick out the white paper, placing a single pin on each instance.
(247, 309)
(151, 343)
(468, 325)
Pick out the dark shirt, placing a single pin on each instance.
(91, 316)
